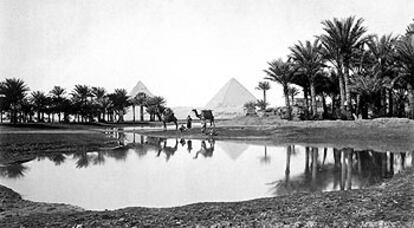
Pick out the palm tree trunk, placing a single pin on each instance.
(313, 100)
(325, 108)
(341, 88)
(390, 103)
(410, 91)
(333, 101)
(141, 112)
(346, 84)
(264, 98)
(305, 97)
(133, 113)
(289, 110)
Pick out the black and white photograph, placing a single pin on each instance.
(206, 113)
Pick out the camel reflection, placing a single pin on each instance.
(204, 150)
(168, 150)
(350, 169)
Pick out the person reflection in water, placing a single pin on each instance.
(206, 152)
(189, 146)
(182, 142)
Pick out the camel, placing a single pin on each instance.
(167, 117)
(205, 115)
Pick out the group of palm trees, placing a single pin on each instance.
(359, 74)
(82, 104)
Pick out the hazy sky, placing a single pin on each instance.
(182, 50)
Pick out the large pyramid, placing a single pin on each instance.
(230, 99)
(140, 88)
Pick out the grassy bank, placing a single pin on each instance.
(16, 147)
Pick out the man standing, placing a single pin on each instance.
(189, 122)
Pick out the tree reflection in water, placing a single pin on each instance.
(265, 159)
(13, 171)
(57, 158)
(360, 168)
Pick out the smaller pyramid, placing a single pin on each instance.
(232, 95)
(140, 88)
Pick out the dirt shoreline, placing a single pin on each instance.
(390, 204)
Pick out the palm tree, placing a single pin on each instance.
(133, 102)
(281, 72)
(100, 101)
(309, 60)
(155, 106)
(250, 107)
(13, 91)
(141, 99)
(80, 95)
(40, 102)
(261, 104)
(119, 100)
(27, 110)
(57, 97)
(368, 88)
(293, 91)
(342, 37)
(302, 80)
(405, 57)
(264, 86)
(383, 51)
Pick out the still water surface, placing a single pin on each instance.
(157, 172)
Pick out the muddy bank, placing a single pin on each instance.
(12, 205)
(390, 204)
(18, 147)
(380, 134)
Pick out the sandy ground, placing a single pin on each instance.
(390, 204)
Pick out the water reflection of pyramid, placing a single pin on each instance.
(234, 150)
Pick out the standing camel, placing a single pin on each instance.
(205, 115)
(167, 117)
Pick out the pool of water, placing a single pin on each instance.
(158, 172)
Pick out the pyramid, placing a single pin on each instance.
(231, 96)
(140, 88)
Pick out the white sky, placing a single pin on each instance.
(182, 50)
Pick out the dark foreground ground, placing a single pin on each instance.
(390, 204)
